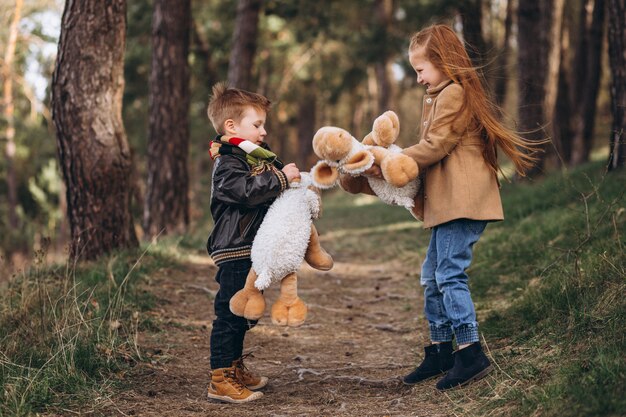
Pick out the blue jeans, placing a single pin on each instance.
(448, 304)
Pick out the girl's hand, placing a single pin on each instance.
(291, 171)
(374, 172)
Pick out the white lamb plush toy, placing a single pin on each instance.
(285, 238)
(343, 154)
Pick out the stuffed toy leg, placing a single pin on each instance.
(249, 301)
(289, 309)
(315, 254)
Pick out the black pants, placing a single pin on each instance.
(229, 330)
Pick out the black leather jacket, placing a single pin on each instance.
(239, 202)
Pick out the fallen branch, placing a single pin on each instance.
(390, 328)
(203, 289)
(364, 381)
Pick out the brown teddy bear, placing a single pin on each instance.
(340, 153)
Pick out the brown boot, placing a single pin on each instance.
(225, 386)
(249, 379)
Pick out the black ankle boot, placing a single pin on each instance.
(437, 360)
(470, 364)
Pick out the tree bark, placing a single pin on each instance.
(307, 113)
(471, 12)
(617, 59)
(552, 12)
(588, 67)
(539, 27)
(202, 48)
(384, 16)
(87, 89)
(503, 57)
(166, 207)
(9, 114)
(563, 112)
(244, 44)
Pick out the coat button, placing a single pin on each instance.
(425, 123)
(429, 100)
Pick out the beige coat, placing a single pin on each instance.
(457, 182)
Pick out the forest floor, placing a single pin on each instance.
(361, 334)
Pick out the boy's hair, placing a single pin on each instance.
(443, 48)
(230, 103)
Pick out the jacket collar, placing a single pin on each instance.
(439, 87)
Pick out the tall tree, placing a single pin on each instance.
(502, 60)
(244, 44)
(166, 206)
(539, 29)
(587, 69)
(471, 13)
(384, 16)
(9, 112)
(617, 58)
(307, 112)
(95, 158)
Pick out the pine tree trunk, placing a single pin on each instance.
(166, 206)
(307, 113)
(552, 11)
(539, 27)
(503, 57)
(384, 16)
(9, 114)
(617, 58)
(471, 12)
(244, 44)
(563, 113)
(94, 155)
(588, 70)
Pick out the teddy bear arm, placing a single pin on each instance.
(379, 153)
(398, 170)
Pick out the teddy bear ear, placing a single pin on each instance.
(386, 129)
(359, 162)
(324, 176)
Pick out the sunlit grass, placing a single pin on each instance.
(65, 329)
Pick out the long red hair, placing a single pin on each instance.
(443, 48)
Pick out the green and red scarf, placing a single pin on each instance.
(258, 157)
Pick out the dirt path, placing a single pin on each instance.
(362, 332)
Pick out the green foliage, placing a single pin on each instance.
(565, 271)
(65, 330)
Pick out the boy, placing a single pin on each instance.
(247, 178)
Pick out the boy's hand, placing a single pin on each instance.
(374, 172)
(291, 171)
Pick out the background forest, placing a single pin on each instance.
(325, 62)
(105, 284)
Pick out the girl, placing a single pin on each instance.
(460, 195)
